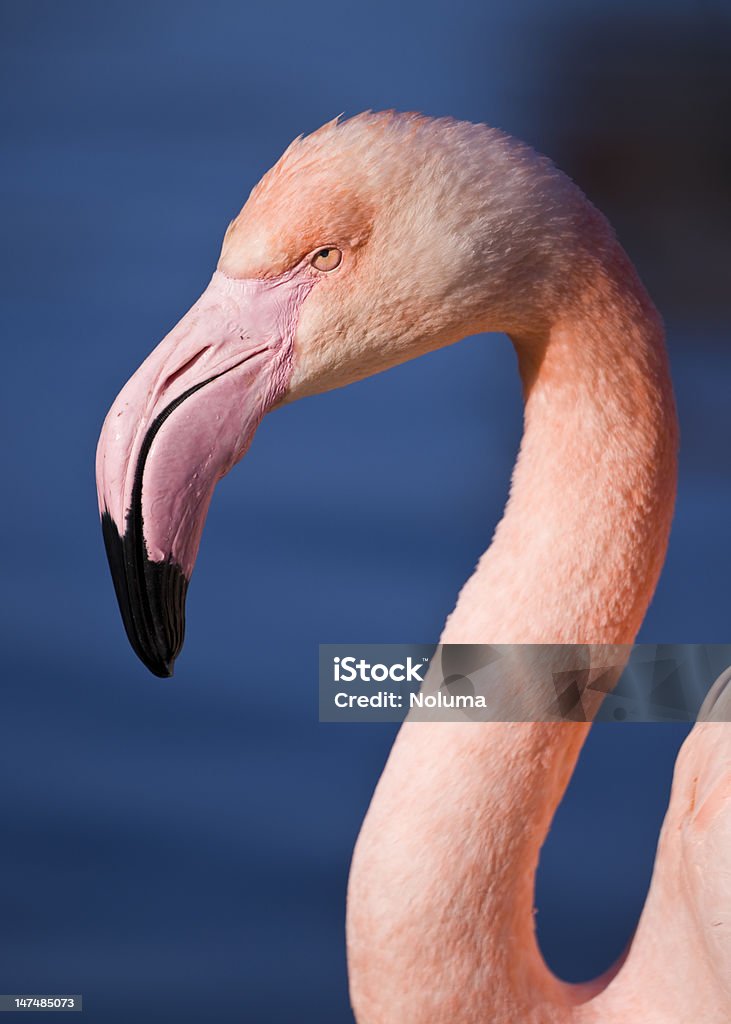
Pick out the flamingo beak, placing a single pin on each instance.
(180, 423)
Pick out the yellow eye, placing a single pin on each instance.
(327, 259)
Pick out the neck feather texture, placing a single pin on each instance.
(441, 889)
(577, 555)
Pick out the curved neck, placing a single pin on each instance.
(442, 882)
(578, 553)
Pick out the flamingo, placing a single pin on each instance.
(371, 241)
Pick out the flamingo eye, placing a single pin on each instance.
(327, 259)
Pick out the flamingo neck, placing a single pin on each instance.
(465, 808)
(578, 552)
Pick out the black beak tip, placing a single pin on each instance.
(161, 669)
(151, 597)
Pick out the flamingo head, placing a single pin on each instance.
(369, 242)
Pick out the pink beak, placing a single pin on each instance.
(183, 420)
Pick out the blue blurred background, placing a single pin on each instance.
(178, 850)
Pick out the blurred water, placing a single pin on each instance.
(183, 846)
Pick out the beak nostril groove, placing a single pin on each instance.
(187, 365)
